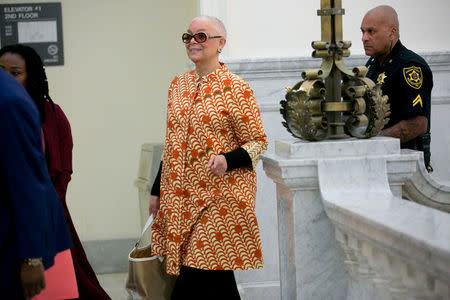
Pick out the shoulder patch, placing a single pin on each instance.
(413, 76)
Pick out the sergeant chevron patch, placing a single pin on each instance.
(417, 101)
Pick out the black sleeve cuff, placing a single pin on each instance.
(157, 183)
(238, 158)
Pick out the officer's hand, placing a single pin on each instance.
(33, 280)
(218, 164)
(154, 205)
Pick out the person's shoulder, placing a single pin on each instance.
(55, 107)
(234, 78)
(7, 97)
(414, 69)
(58, 111)
(186, 74)
(12, 94)
(182, 76)
(9, 88)
(409, 57)
(371, 61)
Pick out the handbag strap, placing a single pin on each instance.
(146, 227)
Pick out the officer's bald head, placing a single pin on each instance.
(379, 29)
(386, 15)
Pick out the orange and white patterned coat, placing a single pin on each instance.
(207, 221)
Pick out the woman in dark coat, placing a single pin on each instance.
(23, 63)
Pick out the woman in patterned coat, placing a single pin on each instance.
(204, 194)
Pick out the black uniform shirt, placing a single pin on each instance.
(406, 79)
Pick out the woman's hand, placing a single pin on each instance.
(218, 164)
(154, 205)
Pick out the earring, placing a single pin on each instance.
(219, 50)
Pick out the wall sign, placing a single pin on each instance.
(38, 25)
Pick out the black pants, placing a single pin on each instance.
(205, 284)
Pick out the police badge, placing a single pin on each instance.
(381, 78)
(413, 76)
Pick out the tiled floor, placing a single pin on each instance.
(114, 285)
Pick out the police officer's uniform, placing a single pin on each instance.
(407, 80)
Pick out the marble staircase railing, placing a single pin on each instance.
(423, 189)
(344, 230)
(394, 249)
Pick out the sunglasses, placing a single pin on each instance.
(199, 37)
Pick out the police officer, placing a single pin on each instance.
(404, 76)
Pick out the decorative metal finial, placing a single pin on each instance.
(332, 101)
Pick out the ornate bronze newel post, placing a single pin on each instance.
(332, 101)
